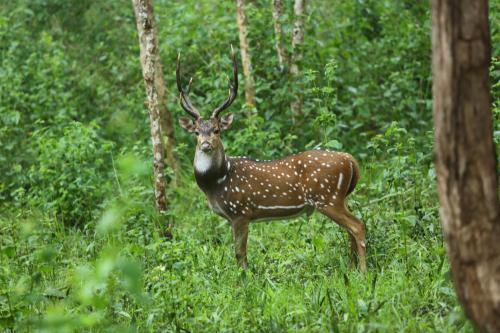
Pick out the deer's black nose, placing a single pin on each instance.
(206, 146)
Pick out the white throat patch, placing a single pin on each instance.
(202, 162)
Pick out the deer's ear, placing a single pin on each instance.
(187, 124)
(226, 120)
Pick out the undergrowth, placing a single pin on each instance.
(117, 274)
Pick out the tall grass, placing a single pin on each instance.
(117, 274)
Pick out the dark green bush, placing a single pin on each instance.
(71, 173)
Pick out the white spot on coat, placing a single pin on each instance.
(220, 180)
(341, 176)
(281, 207)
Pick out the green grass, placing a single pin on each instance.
(118, 274)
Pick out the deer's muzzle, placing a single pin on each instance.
(205, 146)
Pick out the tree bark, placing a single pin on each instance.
(161, 119)
(297, 54)
(153, 75)
(465, 155)
(278, 33)
(245, 54)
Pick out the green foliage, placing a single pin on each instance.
(58, 69)
(495, 79)
(75, 149)
(31, 90)
(70, 176)
(118, 273)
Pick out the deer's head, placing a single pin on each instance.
(207, 130)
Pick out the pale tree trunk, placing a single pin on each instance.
(278, 33)
(297, 54)
(465, 155)
(245, 54)
(153, 75)
(161, 119)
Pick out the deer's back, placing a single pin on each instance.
(285, 187)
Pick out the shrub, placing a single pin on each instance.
(71, 174)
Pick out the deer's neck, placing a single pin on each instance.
(209, 167)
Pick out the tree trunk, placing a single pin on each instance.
(161, 119)
(278, 33)
(153, 75)
(465, 155)
(245, 54)
(297, 41)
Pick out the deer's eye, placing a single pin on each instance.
(216, 131)
(196, 133)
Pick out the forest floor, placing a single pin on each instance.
(118, 274)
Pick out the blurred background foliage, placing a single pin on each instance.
(75, 151)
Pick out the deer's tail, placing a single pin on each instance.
(354, 176)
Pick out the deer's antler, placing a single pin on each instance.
(184, 94)
(233, 88)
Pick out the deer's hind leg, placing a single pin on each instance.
(354, 227)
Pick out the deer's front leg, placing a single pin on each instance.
(240, 236)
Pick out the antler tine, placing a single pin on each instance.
(233, 88)
(184, 98)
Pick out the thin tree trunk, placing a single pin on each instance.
(161, 119)
(278, 33)
(297, 54)
(465, 155)
(245, 54)
(153, 75)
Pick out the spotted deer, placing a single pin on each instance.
(243, 190)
